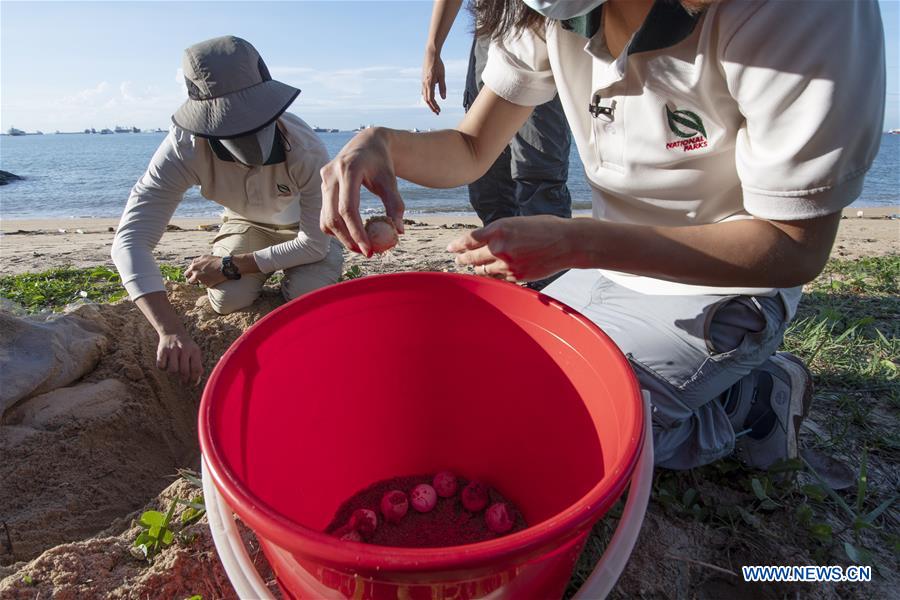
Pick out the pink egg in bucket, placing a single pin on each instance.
(417, 373)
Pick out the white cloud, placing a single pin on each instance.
(388, 94)
(88, 95)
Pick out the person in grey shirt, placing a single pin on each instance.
(529, 177)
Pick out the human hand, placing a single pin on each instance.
(517, 248)
(179, 355)
(206, 269)
(365, 160)
(433, 74)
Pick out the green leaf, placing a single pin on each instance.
(874, 514)
(195, 597)
(169, 514)
(167, 537)
(804, 514)
(859, 556)
(821, 532)
(152, 518)
(27, 579)
(749, 518)
(191, 477)
(862, 483)
(834, 495)
(769, 504)
(142, 538)
(786, 465)
(814, 492)
(758, 489)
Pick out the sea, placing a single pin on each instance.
(91, 175)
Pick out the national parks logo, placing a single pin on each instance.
(689, 127)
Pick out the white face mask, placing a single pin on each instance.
(563, 9)
(253, 149)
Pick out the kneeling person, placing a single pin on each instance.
(233, 138)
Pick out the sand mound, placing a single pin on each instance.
(108, 566)
(77, 458)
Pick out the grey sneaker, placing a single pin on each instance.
(766, 409)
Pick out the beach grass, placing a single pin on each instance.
(848, 331)
(54, 289)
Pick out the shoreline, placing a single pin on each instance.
(35, 245)
(93, 224)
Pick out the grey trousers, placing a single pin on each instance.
(529, 177)
(687, 351)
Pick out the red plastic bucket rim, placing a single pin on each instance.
(321, 547)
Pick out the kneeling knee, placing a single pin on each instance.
(226, 303)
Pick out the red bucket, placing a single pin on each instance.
(416, 373)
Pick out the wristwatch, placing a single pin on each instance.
(229, 269)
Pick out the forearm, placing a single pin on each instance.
(302, 250)
(442, 16)
(160, 314)
(747, 253)
(437, 159)
(454, 157)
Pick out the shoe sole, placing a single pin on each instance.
(801, 397)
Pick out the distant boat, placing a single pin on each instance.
(14, 131)
(105, 131)
(320, 129)
(93, 130)
(135, 129)
(894, 132)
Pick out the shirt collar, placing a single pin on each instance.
(667, 24)
(278, 154)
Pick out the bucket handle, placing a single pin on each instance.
(610, 566)
(229, 545)
(248, 584)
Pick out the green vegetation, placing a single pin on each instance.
(848, 332)
(353, 272)
(157, 531)
(55, 288)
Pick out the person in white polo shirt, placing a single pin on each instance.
(233, 138)
(721, 140)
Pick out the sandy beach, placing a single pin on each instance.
(84, 459)
(38, 244)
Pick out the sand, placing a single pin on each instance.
(72, 481)
(35, 245)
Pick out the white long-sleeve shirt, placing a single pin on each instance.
(286, 193)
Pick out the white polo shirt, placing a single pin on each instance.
(285, 193)
(767, 109)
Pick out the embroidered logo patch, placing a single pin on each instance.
(283, 190)
(688, 126)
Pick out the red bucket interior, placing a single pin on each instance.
(416, 373)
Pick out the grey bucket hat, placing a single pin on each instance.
(230, 91)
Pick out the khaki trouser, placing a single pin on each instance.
(239, 236)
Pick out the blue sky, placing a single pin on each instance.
(71, 65)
